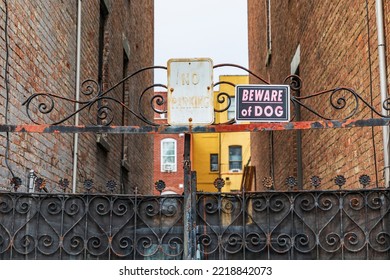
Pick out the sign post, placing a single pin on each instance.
(263, 103)
(190, 91)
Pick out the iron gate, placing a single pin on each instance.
(295, 224)
(344, 224)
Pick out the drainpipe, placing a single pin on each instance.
(383, 84)
(76, 120)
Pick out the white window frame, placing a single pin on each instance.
(231, 160)
(232, 108)
(174, 164)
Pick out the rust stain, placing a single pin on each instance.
(247, 127)
(31, 128)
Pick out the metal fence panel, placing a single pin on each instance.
(294, 225)
(40, 226)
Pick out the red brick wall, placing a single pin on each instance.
(42, 40)
(335, 47)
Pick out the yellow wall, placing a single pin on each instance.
(204, 144)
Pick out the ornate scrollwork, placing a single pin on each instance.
(73, 207)
(125, 242)
(375, 200)
(76, 243)
(103, 208)
(229, 205)
(47, 242)
(6, 204)
(90, 87)
(343, 102)
(383, 239)
(301, 241)
(282, 243)
(327, 202)
(54, 208)
(174, 248)
(294, 81)
(160, 101)
(120, 208)
(23, 206)
(313, 224)
(278, 203)
(305, 202)
(333, 242)
(208, 243)
(147, 245)
(232, 243)
(211, 204)
(356, 202)
(259, 203)
(170, 207)
(25, 244)
(255, 242)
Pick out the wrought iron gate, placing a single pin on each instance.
(295, 224)
(344, 224)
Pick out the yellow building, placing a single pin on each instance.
(222, 154)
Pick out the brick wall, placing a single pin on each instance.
(42, 45)
(336, 50)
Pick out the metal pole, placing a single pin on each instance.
(383, 85)
(189, 202)
(76, 121)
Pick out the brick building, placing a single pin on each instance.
(328, 44)
(168, 155)
(39, 54)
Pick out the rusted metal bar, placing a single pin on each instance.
(251, 127)
(188, 215)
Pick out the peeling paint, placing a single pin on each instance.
(251, 127)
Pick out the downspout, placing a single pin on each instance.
(383, 84)
(76, 120)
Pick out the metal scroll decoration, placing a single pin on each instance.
(332, 224)
(339, 103)
(47, 108)
(59, 226)
(294, 225)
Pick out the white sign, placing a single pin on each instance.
(190, 91)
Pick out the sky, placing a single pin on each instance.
(215, 29)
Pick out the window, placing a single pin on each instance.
(232, 108)
(102, 39)
(214, 166)
(235, 158)
(103, 18)
(168, 155)
(268, 28)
